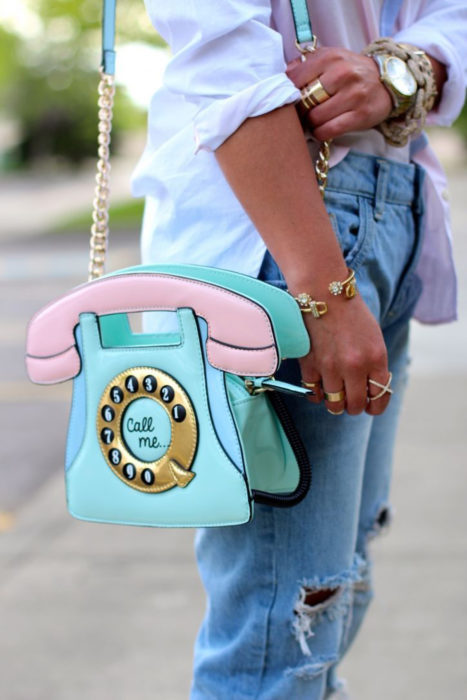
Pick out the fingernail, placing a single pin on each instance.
(335, 413)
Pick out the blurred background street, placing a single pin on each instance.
(110, 613)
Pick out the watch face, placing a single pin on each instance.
(400, 76)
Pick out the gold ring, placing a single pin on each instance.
(311, 385)
(314, 94)
(385, 388)
(334, 396)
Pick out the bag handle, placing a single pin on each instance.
(305, 42)
(240, 332)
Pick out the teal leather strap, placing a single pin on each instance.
(302, 21)
(300, 14)
(108, 37)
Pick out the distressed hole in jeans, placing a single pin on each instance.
(328, 596)
(384, 518)
(362, 589)
(381, 521)
(311, 670)
(316, 597)
(312, 604)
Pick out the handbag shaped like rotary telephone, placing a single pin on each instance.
(180, 429)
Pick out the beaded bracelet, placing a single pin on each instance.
(397, 130)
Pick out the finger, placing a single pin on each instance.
(348, 121)
(337, 104)
(311, 379)
(356, 397)
(303, 72)
(334, 394)
(304, 111)
(378, 398)
(293, 64)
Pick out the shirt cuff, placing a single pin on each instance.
(216, 122)
(453, 93)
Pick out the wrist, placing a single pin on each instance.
(440, 74)
(342, 289)
(313, 272)
(316, 283)
(409, 75)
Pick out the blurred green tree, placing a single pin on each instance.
(461, 123)
(48, 82)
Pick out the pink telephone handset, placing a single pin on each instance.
(240, 334)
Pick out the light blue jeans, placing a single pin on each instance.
(259, 639)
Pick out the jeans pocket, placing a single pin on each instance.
(410, 286)
(351, 220)
(405, 301)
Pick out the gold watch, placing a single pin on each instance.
(399, 81)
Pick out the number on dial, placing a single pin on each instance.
(115, 457)
(150, 383)
(116, 394)
(107, 435)
(147, 476)
(179, 412)
(108, 414)
(131, 384)
(129, 471)
(167, 393)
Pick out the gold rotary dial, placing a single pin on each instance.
(147, 430)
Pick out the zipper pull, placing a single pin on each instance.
(258, 385)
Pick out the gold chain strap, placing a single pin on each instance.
(100, 205)
(322, 166)
(322, 161)
(100, 210)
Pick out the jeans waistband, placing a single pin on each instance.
(378, 178)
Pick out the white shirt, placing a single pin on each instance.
(229, 60)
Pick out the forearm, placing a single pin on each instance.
(267, 164)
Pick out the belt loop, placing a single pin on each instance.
(381, 187)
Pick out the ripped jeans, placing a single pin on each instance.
(260, 639)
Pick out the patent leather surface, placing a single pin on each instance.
(229, 325)
(270, 462)
(218, 493)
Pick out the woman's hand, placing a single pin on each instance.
(347, 350)
(358, 100)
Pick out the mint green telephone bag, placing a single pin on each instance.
(183, 429)
(180, 429)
